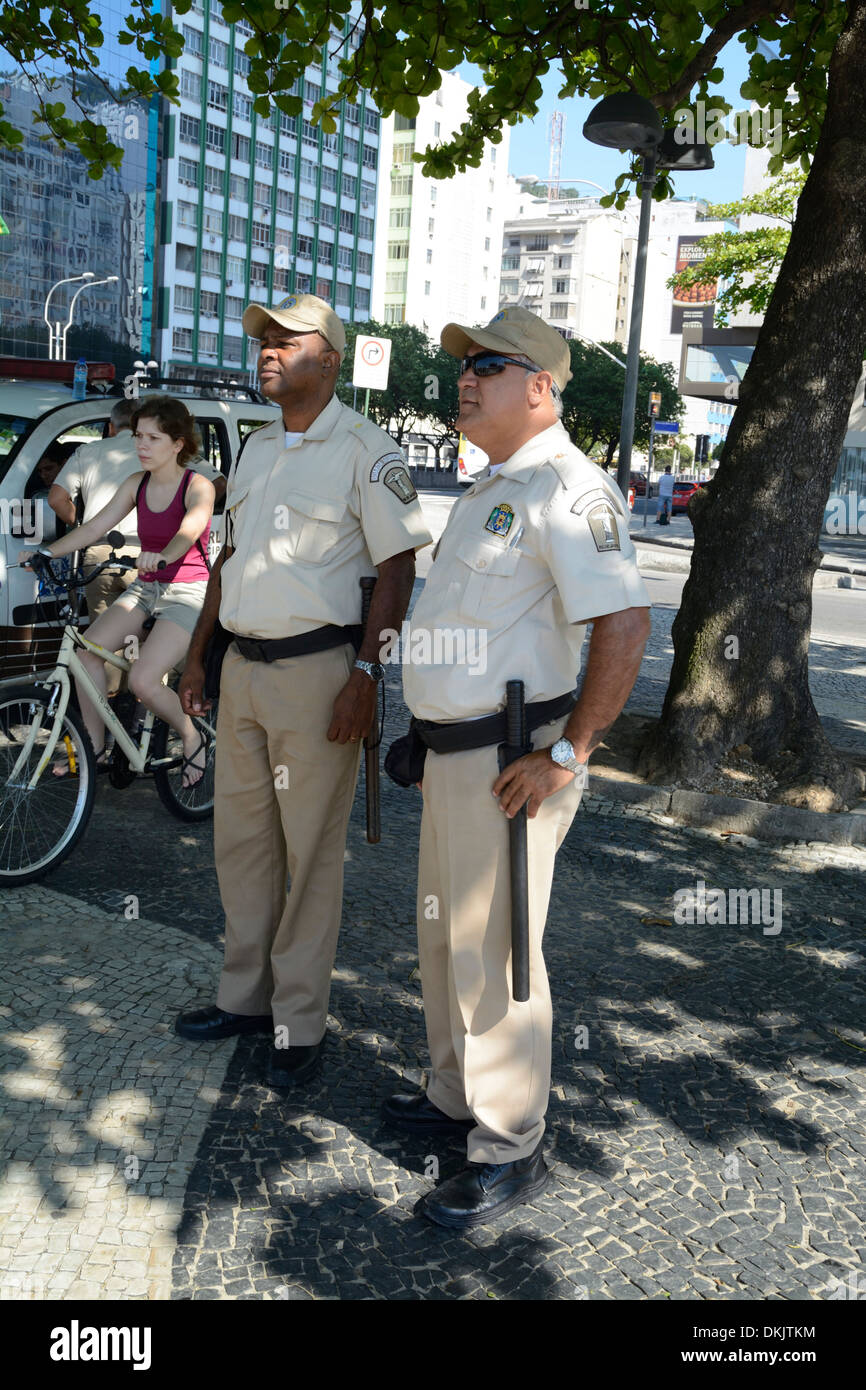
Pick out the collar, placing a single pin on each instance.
(522, 464)
(325, 421)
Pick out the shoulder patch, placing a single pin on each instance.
(397, 480)
(602, 524)
(393, 457)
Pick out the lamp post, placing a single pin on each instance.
(626, 121)
(54, 329)
(91, 284)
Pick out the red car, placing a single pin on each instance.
(683, 492)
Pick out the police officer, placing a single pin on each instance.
(317, 500)
(534, 551)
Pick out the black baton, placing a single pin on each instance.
(371, 745)
(517, 747)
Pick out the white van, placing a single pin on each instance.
(34, 414)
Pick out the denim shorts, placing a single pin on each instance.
(180, 602)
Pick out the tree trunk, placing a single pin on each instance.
(608, 458)
(757, 525)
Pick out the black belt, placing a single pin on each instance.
(491, 728)
(320, 639)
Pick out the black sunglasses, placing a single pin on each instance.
(492, 363)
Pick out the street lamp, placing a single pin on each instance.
(626, 121)
(91, 284)
(54, 330)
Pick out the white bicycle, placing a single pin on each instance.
(43, 815)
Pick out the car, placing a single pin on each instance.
(638, 482)
(683, 493)
(36, 410)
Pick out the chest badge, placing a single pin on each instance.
(500, 519)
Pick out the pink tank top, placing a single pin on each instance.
(156, 529)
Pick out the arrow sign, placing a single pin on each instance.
(372, 360)
(666, 427)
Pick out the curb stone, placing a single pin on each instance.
(714, 812)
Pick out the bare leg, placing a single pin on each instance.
(165, 647)
(110, 630)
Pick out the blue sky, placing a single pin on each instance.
(530, 150)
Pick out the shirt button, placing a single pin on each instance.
(482, 564)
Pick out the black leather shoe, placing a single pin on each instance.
(420, 1116)
(290, 1066)
(485, 1190)
(206, 1025)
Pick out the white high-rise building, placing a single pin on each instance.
(438, 241)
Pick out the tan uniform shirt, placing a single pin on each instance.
(305, 523)
(529, 555)
(97, 470)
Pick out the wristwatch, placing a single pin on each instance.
(374, 669)
(563, 755)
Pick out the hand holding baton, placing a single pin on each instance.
(371, 742)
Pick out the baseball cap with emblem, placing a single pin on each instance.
(304, 312)
(515, 330)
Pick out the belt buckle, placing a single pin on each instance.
(261, 646)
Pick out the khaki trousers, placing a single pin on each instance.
(490, 1057)
(101, 593)
(271, 730)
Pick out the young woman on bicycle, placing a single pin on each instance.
(174, 506)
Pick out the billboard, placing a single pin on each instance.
(695, 305)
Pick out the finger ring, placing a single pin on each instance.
(354, 740)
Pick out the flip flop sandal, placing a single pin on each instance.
(69, 768)
(193, 765)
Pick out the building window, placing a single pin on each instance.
(399, 217)
(241, 148)
(237, 227)
(242, 106)
(264, 155)
(285, 201)
(213, 179)
(343, 293)
(190, 85)
(562, 287)
(370, 158)
(215, 138)
(431, 225)
(281, 280)
(239, 187)
(401, 185)
(261, 234)
(433, 191)
(371, 120)
(347, 221)
(258, 274)
(403, 154)
(242, 63)
(329, 178)
(395, 313)
(207, 342)
(368, 193)
(193, 41)
(311, 92)
(308, 171)
(436, 129)
(288, 124)
(489, 214)
(508, 287)
(483, 302)
(302, 284)
(426, 286)
(562, 262)
(395, 282)
(307, 208)
(187, 215)
(310, 134)
(362, 300)
(352, 112)
(326, 253)
(328, 214)
(287, 162)
(184, 257)
(429, 255)
(208, 302)
(210, 263)
(365, 228)
(218, 53)
(213, 220)
(262, 194)
(510, 262)
(350, 150)
(236, 269)
(406, 122)
(365, 263)
(217, 96)
(344, 257)
(231, 349)
(349, 185)
(189, 129)
(484, 273)
(184, 297)
(187, 172)
(560, 311)
(398, 250)
(181, 340)
(305, 246)
(537, 243)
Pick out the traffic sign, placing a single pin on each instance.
(666, 427)
(372, 360)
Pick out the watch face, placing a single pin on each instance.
(562, 751)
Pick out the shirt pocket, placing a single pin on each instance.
(485, 576)
(314, 525)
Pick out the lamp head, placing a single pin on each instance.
(624, 121)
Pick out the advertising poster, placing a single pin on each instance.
(695, 305)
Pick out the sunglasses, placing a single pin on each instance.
(492, 363)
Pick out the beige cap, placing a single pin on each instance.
(305, 312)
(516, 330)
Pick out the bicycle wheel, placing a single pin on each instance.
(187, 803)
(39, 828)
